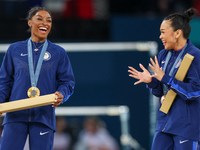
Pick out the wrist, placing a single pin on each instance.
(148, 81)
(160, 79)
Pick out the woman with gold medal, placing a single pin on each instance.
(32, 68)
(179, 128)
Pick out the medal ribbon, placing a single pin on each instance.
(165, 90)
(34, 77)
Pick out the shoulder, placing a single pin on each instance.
(193, 50)
(16, 45)
(162, 54)
(19, 43)
(58, 51)
(56, 47)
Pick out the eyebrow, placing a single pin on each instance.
(162, 29)
(42, 17)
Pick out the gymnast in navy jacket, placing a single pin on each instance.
(179, 129)
(31, 68)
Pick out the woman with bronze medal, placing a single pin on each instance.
(179, 129)
(32, 68)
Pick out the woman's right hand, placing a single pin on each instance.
(144, 76)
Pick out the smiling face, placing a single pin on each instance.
(40, 25)
(168, 35)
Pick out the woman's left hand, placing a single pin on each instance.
(58, 99)
(158, 72)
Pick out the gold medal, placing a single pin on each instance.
(33, 92)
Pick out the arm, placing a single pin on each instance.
(65, 79)
(153, 83)
(189, 89)
(6, 76)
(155, 87)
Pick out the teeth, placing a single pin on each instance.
(42, 28)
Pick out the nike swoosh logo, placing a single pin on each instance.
(162, 62)
(181, 142)
(23, 54)
(42, 133)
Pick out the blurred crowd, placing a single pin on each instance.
(96, 9)
(93, 135)
(82, 19)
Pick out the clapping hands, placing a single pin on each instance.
(145, 76)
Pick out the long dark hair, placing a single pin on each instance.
(181, 21)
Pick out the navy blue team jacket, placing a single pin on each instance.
(56, 75)
(183, 118)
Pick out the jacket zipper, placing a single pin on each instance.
(165, 126)
(29, 119)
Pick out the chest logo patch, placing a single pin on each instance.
(178, 64)
(47, 56)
